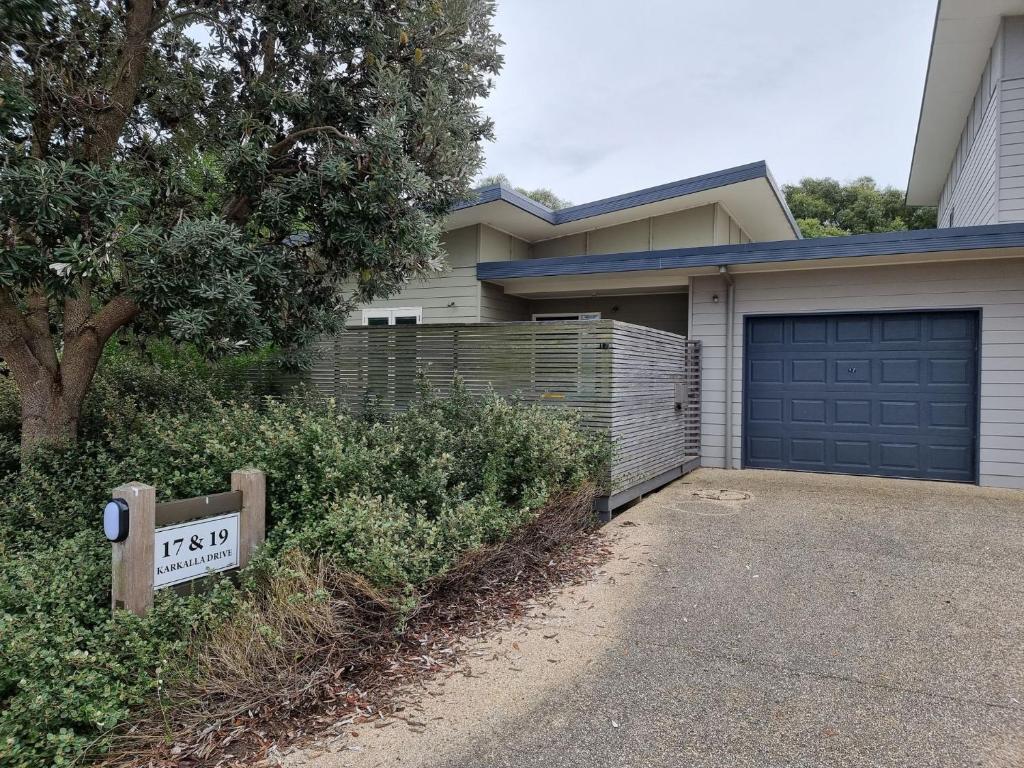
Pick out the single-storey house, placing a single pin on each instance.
(898, 354)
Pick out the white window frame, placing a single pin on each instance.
(391, 313)
(567, 316)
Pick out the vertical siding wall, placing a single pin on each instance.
(995, 287)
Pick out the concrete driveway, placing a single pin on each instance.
(823, 621)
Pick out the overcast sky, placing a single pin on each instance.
(600, 97)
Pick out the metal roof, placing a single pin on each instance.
(681, 188)
(875, 244)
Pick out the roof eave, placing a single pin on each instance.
(998, 236)
(911, 188)
(557, 222)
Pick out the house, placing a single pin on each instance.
(501, 226)
(897, 354)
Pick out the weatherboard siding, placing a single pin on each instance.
(974, 197)
(996, 287)
(498, 307)
(451, 296)
(1011, 151)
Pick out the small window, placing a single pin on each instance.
(397, 316)
(550, 317)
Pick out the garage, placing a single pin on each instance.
(893, 394)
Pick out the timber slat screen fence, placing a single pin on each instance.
(638, 385)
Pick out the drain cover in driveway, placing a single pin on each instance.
(722, 495)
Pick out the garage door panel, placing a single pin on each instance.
(899, 413)
(952, 327)
(852, 330)
(808, 371)
(900, 328)
(958, 371)
(853, 371)
(810, 330)
(899, 371)
(885, 394)
(766, 409)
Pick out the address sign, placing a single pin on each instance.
(188, 551)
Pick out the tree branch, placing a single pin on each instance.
(40, 340)
(125, 81)
(115, 314)
(277, 150)
(83, 349)
(77, 308)
(14, 346)
(239, 209)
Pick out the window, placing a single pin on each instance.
(397, 316)
(554, 316)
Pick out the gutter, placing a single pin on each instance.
(730, 304)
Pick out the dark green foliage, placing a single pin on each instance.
(227, 173)
(355, 124)
(826, 208)
(393, 500)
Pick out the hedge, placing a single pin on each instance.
(395, 501)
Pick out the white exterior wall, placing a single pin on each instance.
(996, 287)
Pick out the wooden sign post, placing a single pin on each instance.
(176, 542)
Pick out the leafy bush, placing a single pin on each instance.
(394, 501)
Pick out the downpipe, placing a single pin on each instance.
(730, 313)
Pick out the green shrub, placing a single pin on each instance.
(394, 500)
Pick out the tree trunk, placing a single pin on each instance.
(52, 386)
(49, 414)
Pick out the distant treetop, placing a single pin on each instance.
(825, 208)
(542, 195)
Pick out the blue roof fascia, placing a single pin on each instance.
(876, 244)
(628, 200)
(501, 192)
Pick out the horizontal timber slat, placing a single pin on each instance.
(622, 379)
(180, 510)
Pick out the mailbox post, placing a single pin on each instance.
(132, 585)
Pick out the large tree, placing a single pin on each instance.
(228, 172)
(826, 207)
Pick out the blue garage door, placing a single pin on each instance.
(890, 394)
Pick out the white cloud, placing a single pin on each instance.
(599, 97)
